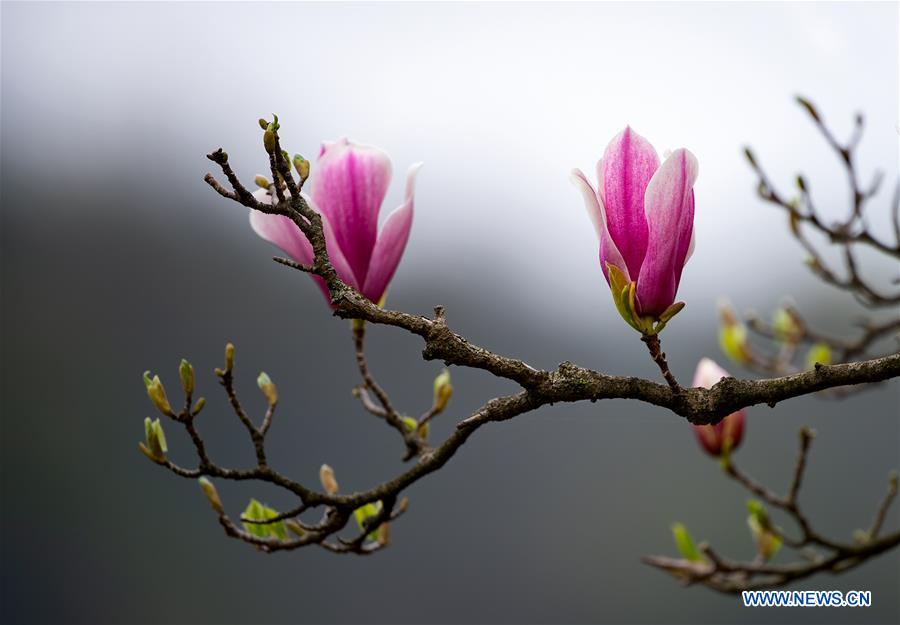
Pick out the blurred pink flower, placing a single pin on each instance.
(726, 435)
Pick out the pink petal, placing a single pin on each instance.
(609, 253)
(391, 242)
(669, 205)
(285, 234)
(708, 372)
(349, 185)
(709, 438)
(624, 172)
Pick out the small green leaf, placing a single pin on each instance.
(767, 542)
(365, 512)
(160, 436)
(256, 511)
(685, 543)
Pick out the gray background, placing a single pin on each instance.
(116, 258)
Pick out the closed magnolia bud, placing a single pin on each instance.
(229, 357)
(819, 354)
(155, 438)
(733, 335)
(263, 123)
(157, 394)
(724, 437)
(443, 391)
(268, 388)
(329, 483)
(384, 534)
(402, 506)
(295, 527)
(269, 140)
(211, 494)
(302, 167)
(186, 371)
(262, 182)
(199, 405)
(785, 325)
(413, 426)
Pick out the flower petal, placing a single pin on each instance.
(609, 253)
(708, 372)
(284, 233)
(391, 242)
(627, 166)
(669, 205)
(349, 185)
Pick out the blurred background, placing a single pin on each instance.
(117, 258)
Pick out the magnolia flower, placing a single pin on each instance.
(348, 187)
(726, 435)
(643, 212)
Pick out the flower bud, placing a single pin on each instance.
(199, 406)
(329, 483)
(295, 527)
(733, 335)
(186, 371)
(211, 494)
(819, 354)
(720, 439)
(384, 534)
(157, 394)
(263, 123)
(412, 425)
(229, 357)
(685, 543)
(302, 167)
(262, 182)
(785, 325)
(269, 140)
(767, 541)
(443, 391)
(402, 506)
(146, 451)
(155, 438)
(267, 387)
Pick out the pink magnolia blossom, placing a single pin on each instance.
(643, 212)
(349, 183)
(726, 435)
